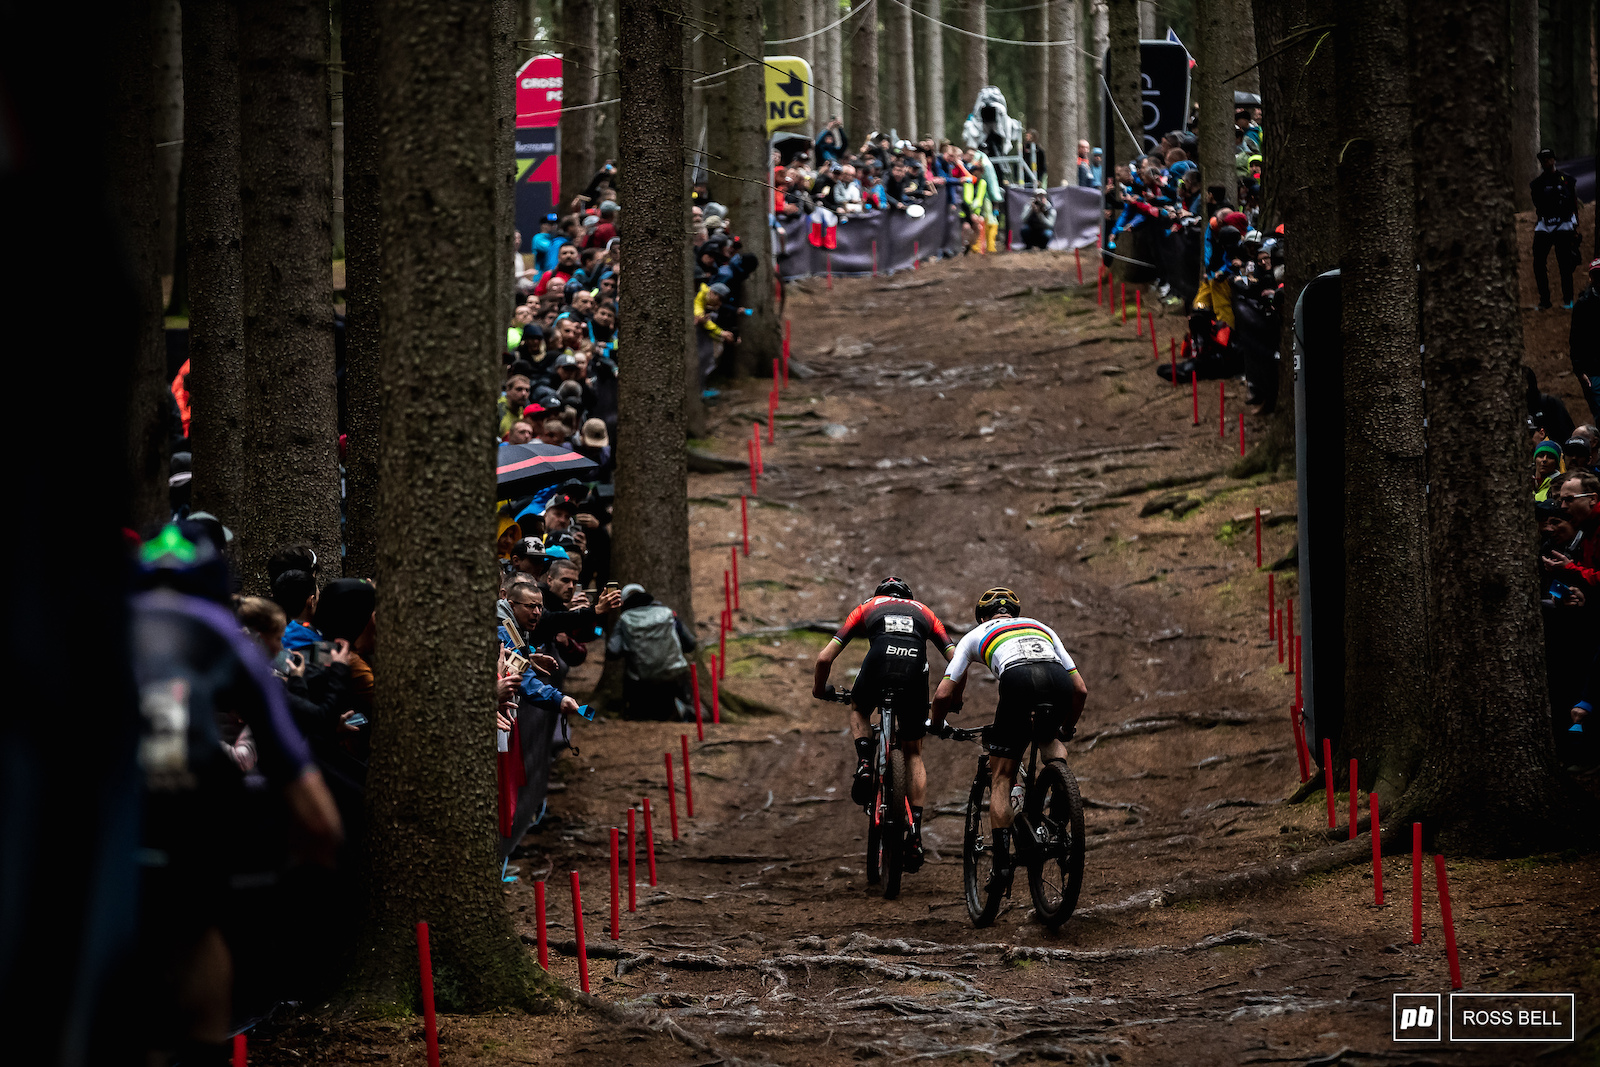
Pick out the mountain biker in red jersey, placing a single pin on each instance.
(899, 628)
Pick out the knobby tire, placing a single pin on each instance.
(894, 822)
(976, 862)
(1055, 880)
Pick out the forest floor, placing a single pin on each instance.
(981, 422)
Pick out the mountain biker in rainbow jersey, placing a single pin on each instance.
(1041, 698)
(899, 628)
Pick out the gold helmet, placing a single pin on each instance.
(997, 600)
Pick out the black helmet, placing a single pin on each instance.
(895, 587)
(997, 600)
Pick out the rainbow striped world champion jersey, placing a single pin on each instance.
(1004, 642)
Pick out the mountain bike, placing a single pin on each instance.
(889, 815)
(1047, 837)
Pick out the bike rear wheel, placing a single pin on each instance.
(895, 822)
(977, 855)
(1056, 878)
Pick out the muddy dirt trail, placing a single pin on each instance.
(966, 425)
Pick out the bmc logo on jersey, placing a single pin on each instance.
(896, 650)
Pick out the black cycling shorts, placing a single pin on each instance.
(907, 684)
(1019, 719)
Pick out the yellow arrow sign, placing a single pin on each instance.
(788, 92)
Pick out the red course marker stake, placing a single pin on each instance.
(1258, 525)
(1241, 439)
(1155, 349)
(1280, 637)
(688, 786)
(744, 521)
(1222, 409)
(1352, 798)
(577, 929)
(1288, 620)
(916, 254)
(672, 789)
(699, 723)
(649, 842)
(1302, 750)
(733, 554)
(616, 890)
(1194, 387)
(1447, 922)
(755, 435)
(1138, 312)
(1416, 883)
(240, 1051)
(1298, 674)
(716, 703)
(1272, 612)
(1327, 778)
(538, 915)
(1078, 261)
(1377, 852)
(750, 450)
(430, 1025)
(633, 874)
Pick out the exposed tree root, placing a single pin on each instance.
(1234, 883)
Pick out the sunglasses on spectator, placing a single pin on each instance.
(1567, 498)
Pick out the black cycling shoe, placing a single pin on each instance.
(1002, 870)
(912, 863)
(861, 788)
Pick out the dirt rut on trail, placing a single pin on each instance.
(967, 425)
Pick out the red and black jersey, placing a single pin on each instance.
(904, 621)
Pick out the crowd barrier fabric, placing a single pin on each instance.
(1078, 214)
(895, 237)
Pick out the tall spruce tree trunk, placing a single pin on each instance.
(1037, 73)
(362, 272)
(1297, 94)
(605, 118)
(1066, 92)
(1385, 544)
(750, 194)
(337, 120)
(974, 52)
(802, 20)
(145, 450)
(905, 47)
(889, 67)
(1486, 782)
(167, 43)
(835, 39)
(651, 543)
(1214, 57)
(863, 116)
(1245, 74)
(1521, 162)
(431, 785)
(216, 317)
(579, 51)
(284, 177)
(930, 98)
(1098, 23)
(822, 106)
(1127, 119)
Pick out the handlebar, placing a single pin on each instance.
(838, 696)
(952, 734)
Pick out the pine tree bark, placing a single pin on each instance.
(802, 16)
(863, 117)
(974, 52)
(284, 177)
(216, 317)
(889, 61)
(362, 273)
(1521, 162)
(1385, 543)
(1486, 782)
(822, 105)
(580, 37)
(750, 191)
(1099, 23)
(336, 70)
(1245, 74)
(651, 544)
(931, 97)
(605, 118)
(168, 73)
(1037, 72)
(835, 105)
(1128, 113)
(1147, 19)
(1297, 87)
(1066, 91)
(146, 446)
(431, 786)
(905, 47)
(1214, 59)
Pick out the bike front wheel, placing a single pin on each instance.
(896, 822)
(1055, 877)
(977, 852)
